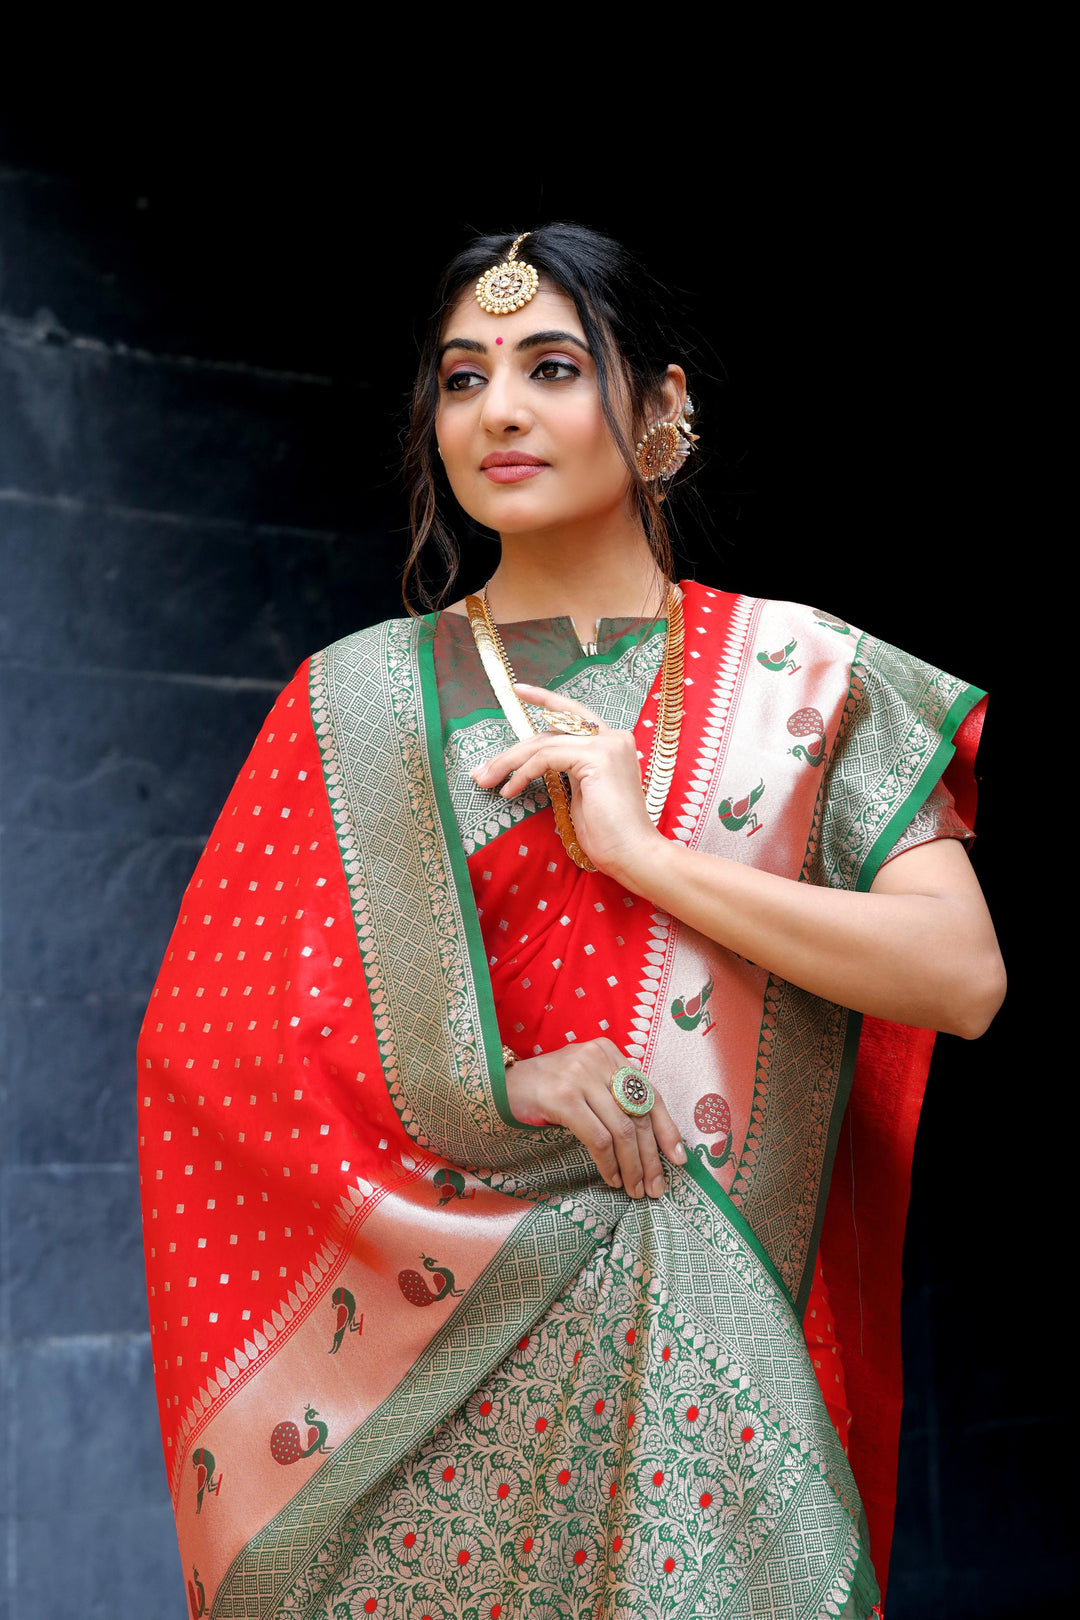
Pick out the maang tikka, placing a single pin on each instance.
(507, 286)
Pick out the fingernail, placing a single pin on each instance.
(657, 1187)
(636, 1190)
(679, 1154)
(616, 1181)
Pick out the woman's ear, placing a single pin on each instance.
(674, 393)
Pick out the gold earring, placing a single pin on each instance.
(666, 445)
(657, 455)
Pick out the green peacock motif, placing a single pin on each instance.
(735, 814)
(207, 1482)
(781, 659)
(346, 1322)
(451, 1185)
(285, 1444)
(689, 1014)
(415, 1287)
(712, 1116)
(196, 1592)
(808, 723)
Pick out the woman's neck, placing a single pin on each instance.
(585, 577)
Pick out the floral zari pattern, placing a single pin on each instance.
(628, 1458)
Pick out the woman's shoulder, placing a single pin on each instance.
(757, 620)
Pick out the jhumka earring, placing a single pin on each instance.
(666, 446)
(507, 286)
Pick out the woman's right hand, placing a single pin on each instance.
(572, 1088)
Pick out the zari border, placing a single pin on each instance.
(416, 925)
(928, 704)
(520, 1281)
(459, 873)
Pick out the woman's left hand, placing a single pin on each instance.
(608, 805)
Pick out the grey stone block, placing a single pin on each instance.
(84, 1425)
(89, 914)
(120, 755)
(117, 590)
(68, 1083)
(209, 444)
(120, 1560)
(74, 1252)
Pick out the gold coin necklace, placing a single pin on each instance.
(662, 756)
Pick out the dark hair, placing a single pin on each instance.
(621, 309)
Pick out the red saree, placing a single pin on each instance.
(414, 1358)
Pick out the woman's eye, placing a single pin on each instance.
(459, 381)
(556, 370)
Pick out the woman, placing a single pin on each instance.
(488, 1127)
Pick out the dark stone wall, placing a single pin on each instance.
(201, 388)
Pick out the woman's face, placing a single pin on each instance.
(520, 422)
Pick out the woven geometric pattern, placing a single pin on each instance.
(515, 1287)
(892, 730)
(656, 1442)
(616, 691)
(888, 738)
(796, 1090)
(366, 712)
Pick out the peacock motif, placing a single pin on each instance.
(712, 1116)
(346, 1322)
(689, 1014)
(736, 813)
(206, 1480)
(285, 1441)
(451, 1185)
(831, 622)
(415, 1287)
(808, 723)
(780, 659)
(196, 1592)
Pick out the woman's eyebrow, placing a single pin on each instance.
(539, 339)
(461, 343)
(536, 340)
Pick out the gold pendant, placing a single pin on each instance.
(507, 286)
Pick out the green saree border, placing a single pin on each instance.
(716, 1194)
(459, 874)
(631, 638)
(958, 712)
(544, 1251)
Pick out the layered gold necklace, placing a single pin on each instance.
(661, 766)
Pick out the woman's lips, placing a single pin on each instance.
(513, 472)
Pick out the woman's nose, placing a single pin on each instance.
(504, 408)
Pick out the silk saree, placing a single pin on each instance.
(414, 1358)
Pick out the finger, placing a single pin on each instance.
(667, 1133)
(531, 758)
(557, 753)
(592, 1133)
(651, 1169)
(547, 699)
(624, 1135)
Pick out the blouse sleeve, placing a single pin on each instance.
(938, 818)
(905, 724)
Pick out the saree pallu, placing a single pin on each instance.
(413, 1357)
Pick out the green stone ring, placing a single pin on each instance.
(632, 1090)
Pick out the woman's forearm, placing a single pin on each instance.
(927, 957)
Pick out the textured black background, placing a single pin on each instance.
(208, 326)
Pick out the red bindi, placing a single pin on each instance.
(498, 340)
